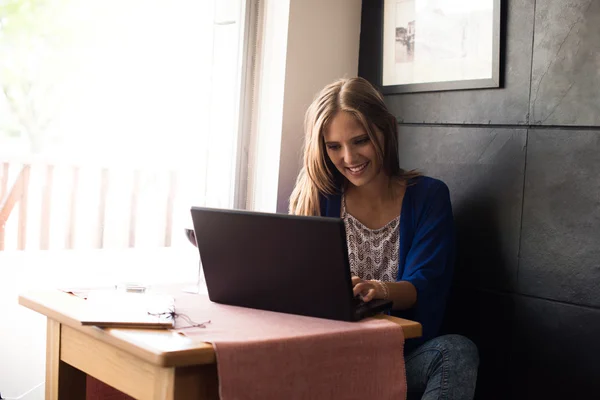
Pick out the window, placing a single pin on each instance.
(115, 117)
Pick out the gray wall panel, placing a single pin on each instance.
(556, 350)
(566, 63)
(560, 245)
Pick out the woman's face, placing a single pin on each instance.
(351, 150)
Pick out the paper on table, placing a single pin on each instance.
(83, 292)
(113, 308)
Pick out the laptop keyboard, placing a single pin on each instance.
(357, 303)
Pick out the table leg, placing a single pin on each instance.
(63, 381)
(133, 376)
(198, 382)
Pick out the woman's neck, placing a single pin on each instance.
(376, 193)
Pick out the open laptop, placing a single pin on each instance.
(277, 262)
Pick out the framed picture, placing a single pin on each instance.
(434, 45)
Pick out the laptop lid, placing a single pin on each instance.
(276, 262)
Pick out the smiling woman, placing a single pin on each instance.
(349, 115)
(399, 227)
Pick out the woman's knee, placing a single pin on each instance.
(461, 348)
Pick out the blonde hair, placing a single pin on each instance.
(318, 174)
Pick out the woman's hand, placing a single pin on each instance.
(403, 294)
(367, 290)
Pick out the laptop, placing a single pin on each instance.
(279, 262)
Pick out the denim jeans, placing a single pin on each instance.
(442, 368)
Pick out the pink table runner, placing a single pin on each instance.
(266, 355)
(98, 390)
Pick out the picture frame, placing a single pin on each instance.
(429, 46)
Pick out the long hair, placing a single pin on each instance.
(318, 174)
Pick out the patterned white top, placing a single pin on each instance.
(373, 253)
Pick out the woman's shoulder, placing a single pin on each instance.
(330, 204)
(429, 199)
(425, 187)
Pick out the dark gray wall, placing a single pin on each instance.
(523, 166)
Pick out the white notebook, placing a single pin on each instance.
(116, 309)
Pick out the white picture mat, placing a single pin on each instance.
(453, 41)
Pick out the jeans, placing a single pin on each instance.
(442, 368)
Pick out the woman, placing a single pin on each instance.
(399, 227)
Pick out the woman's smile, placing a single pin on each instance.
(358, 169)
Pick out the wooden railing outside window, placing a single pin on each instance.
(65, 206)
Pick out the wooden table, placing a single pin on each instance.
(143, 363)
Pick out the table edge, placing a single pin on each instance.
(199, 354)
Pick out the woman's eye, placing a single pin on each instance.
(333, 146)
(363, 140)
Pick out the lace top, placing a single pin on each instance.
(373, 253)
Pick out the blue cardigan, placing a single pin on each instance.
(427, 250)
